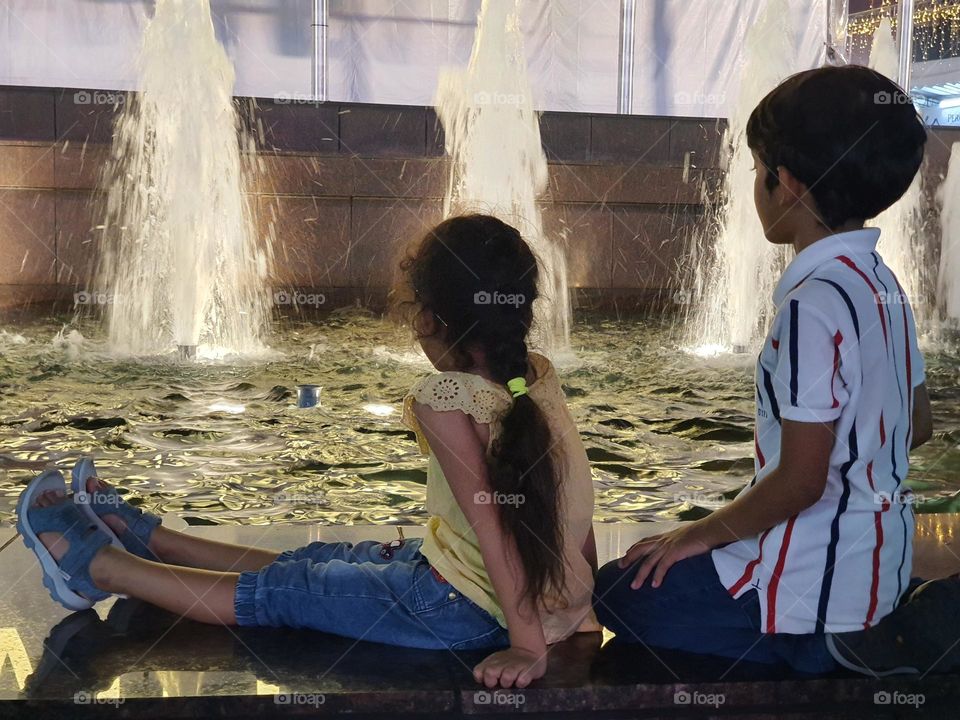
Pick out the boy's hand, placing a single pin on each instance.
(514, 666)
(662, 551)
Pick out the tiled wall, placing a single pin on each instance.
(341, 190)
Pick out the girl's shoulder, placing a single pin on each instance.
(446, 391)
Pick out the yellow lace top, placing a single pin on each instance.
(450, 543)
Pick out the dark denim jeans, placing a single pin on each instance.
(693, 612)
(381, 592)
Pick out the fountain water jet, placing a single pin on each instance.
(497, 161)
(728, 302)
(902, 241)
(948, 284)
(180, 256)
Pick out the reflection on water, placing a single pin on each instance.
(669, 433)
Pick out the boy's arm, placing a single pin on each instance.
(796, 484)
(810, 395)
(455, 443)
(922, 416)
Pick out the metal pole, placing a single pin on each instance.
(906, 44)
(628, 21)
(319, 75)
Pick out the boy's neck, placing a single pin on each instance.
(805, 237)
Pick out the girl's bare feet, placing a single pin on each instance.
(113, 521)
(57, 545)
(114, 513)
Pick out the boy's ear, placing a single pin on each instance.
(792, 190)
(424, 324)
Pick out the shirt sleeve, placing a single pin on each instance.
(808, 380)
(449, 391)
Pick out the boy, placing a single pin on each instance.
(819, 542)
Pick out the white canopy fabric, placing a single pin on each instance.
(687, 52)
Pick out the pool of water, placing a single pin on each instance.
(669, 434)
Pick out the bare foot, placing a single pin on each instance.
(55, 543)
(112, 520)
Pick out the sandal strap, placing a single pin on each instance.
(84, 539)
(55, 518)
(137, 535)
(140, 524)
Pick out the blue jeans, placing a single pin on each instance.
(381, 592)
(693, 612)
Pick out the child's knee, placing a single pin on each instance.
(607, 577)
(612, 589)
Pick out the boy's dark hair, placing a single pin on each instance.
(851, 135)
(462, 272)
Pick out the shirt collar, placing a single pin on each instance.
(855, 242)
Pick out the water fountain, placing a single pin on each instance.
(948, 284)
(497, 160)
(734, 267)
(902, 241)
(180, 259)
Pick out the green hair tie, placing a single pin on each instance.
(518, 386)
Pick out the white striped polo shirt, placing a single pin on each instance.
(843, 349)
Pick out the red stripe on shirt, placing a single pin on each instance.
(751, 566)
(775, 578)
(876, 296)
(756, 441)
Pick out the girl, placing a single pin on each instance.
(508, 558)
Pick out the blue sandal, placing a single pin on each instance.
(97, 505)
(69, 582)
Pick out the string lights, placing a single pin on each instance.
(936, 27)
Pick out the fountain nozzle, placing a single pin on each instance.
(308, 396)
(739, 349)
(187, 352)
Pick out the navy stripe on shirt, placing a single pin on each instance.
(794, 340)
(827, 585)
(847, 301)
(768, 386)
